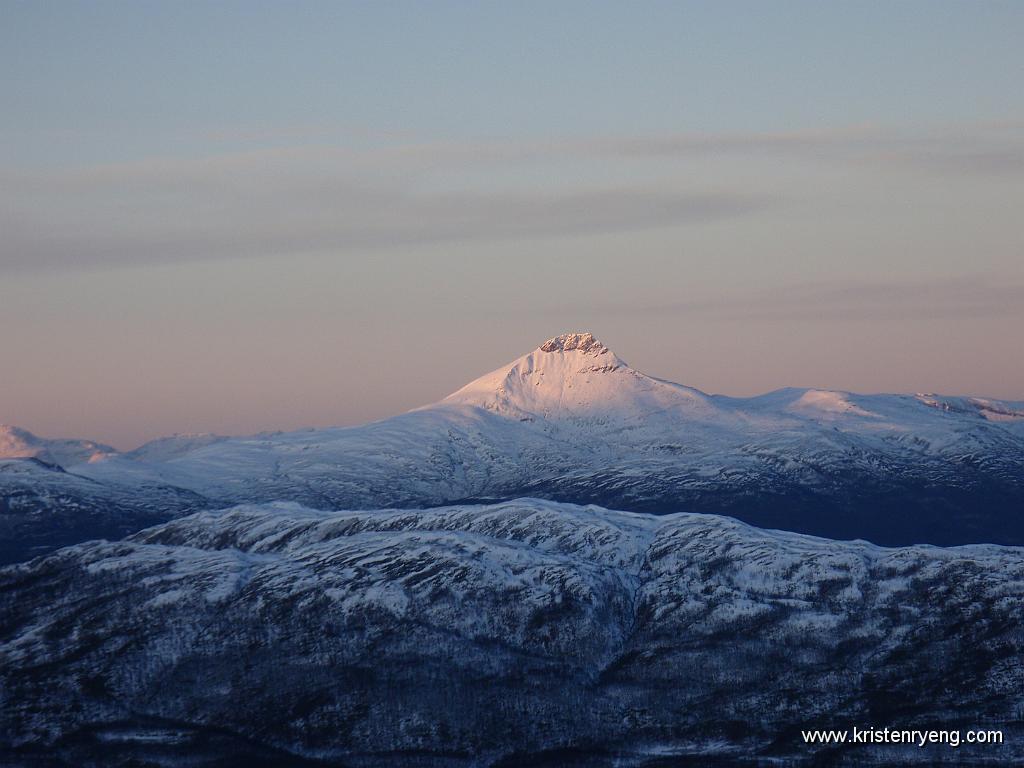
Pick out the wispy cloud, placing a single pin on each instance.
(305, 199)
(298, 201)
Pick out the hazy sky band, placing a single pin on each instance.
(237, 217)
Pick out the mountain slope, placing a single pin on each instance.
(572, 422)
(43, 506)
(502, 635)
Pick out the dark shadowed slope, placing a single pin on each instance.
(502, 635)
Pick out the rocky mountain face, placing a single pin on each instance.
(526, 633)
(571, 421)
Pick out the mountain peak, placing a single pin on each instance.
(582, 341)
(16, 442)
(574, 377)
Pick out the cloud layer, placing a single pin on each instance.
(324, 199)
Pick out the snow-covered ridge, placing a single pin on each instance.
(574, 375)
(167, 448)
(17, 443)
(993, 410)
(362, 637)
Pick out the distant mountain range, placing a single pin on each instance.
(571, 422)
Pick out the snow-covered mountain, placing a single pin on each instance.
(572, 422)
(574, 379)
(18, 443)
(523, 633)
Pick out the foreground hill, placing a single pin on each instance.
(501, 635)
(572, 422)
